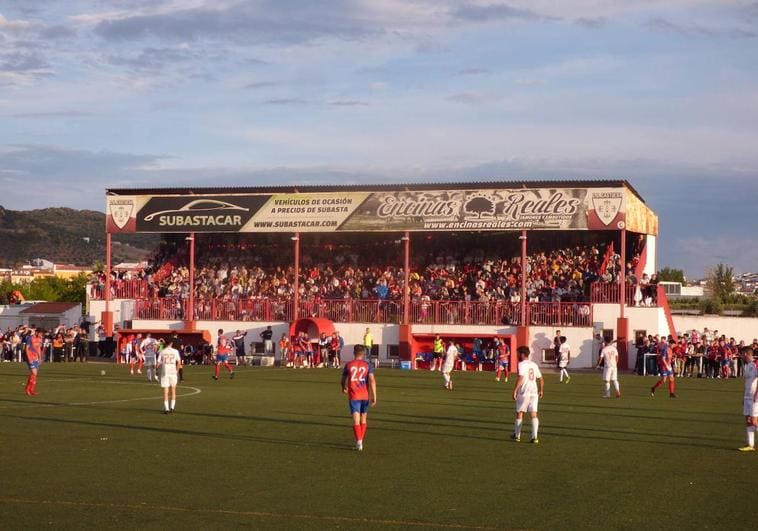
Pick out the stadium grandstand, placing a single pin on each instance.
(462, 260)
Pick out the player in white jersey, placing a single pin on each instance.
(564, 358)
(149, 348)
(169, 362)
(451, 354)
(527, 392)
(609, 358)
(750, 400)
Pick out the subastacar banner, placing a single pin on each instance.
(437, 210)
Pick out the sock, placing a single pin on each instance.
(497, 375)
(517, 427)
(751, 436)
(357, 432)
(165, 405)
(535, 427)
(33, 386)
(560, 378)
(607, 388)
(616, 386)
(228, 367)
(141, 363)
(173, 403)
(672, 386)
(218, 369)
(446, 376)
(364, 427)
(28, 383)
(658, 384)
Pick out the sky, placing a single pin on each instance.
(119, 93)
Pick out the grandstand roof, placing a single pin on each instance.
(369, 187)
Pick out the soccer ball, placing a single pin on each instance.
(102, 373)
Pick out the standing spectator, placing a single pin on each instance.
(557, 347)
(81, 345)
(284, 351)
(239, 345)
(58, 344)
(437, 350)
(323, 347)
(368, 342)
(100, 339)
(268, 344)
(564, 358)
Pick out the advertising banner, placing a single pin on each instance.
(418, 210)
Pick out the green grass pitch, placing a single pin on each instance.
(273, 449)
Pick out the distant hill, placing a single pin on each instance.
(64, 235)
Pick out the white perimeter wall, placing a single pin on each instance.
(582, 340)
(652, 256)
(352, 333)
(740, 328)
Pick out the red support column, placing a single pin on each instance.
(407, 275)
(296, 285)
(190, 315)
(522, 332)
(622, 324)
(405, 349)
(107, 316)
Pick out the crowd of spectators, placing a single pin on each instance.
(696, 354)
(474, 274)
(60, 344)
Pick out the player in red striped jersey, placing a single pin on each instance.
(223, 348)
(34, 343)
(359, 384)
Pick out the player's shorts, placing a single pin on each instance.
(665, 371)
(502, 364)
(527, 403)
(562, 364)
(749, 407)
(358, 406)
(168, 380)
(221, 359)
(610, 374)
(33, 365)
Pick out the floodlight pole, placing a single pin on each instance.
(296, 285)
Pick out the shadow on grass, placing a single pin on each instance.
(178, 431)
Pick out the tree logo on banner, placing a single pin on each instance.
(479, 206)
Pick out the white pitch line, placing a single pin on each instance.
(195, 391)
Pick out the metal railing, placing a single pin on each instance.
(495, 313)
(608, 293)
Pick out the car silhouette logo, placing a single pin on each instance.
(199, 205)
